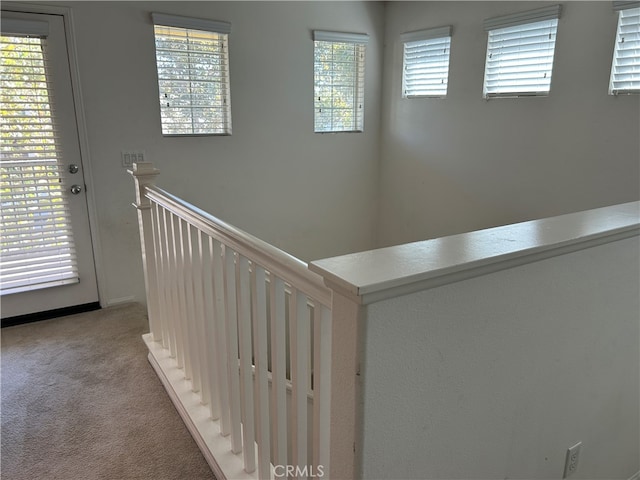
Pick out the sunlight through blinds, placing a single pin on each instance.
(625, 71)
(37, 248)
(193, 80)
(520, 59)
(339, 81)
(520, 51)
(426, 63)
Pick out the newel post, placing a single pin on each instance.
(346, 406)
(144, 174)
(348, 338)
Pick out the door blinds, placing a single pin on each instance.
(37, 248)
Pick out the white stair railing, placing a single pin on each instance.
(240, 335)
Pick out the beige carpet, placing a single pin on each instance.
(80, 401)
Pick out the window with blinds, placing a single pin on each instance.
(37, 245)
(339, 82)
(520, 53)
(193, 76)
(625, 71)
(426, 63)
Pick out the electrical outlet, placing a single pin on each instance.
(571, 462)
(130, 157)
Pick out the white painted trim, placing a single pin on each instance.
(368, 277)
(179, 21)
(440, 32)
(636, 476)
(14, 26)
(617, 6)
(325, 36)
(119, 301)
(206, 432)
(83, 139)
(530, 16)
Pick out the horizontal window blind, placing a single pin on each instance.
(520, 59)
(549, 12)
(37, 243)
(339, 86)
(426, 63)
(625, 4)
(625, 70)
(193, 81)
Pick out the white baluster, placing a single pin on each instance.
(161, 274)
(278, 370)
(167, 271)
(159, 335)
(182, 299)
(260, 340)
(193, 285)
(231, 327)
(222, 362)
(246, 373)
(209, 324)
(321, 385)
(299, 338)
(191, 320)
(310, 345)
(175, 286)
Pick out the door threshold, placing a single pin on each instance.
(49, 314)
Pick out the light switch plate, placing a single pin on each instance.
(129, 157)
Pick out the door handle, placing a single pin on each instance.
(76, 189)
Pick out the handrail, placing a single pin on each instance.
(218, 297)
(271, 258)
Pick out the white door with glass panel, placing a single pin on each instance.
(47, 257)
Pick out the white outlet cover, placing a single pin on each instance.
(571, 461)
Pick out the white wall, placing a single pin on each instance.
(310, 194)
(434, 167)
(463, 163)
(496, 376)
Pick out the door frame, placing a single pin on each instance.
(81, 125)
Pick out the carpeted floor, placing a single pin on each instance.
(80, 402)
